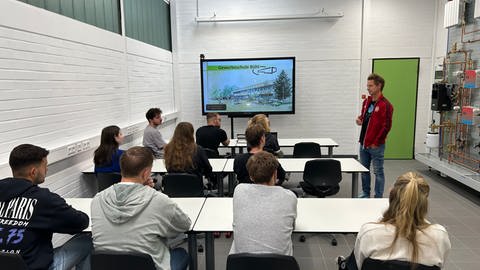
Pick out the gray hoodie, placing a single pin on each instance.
(136, 218)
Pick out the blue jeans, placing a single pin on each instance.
(75, 252)
(179, 259)
(374, 156)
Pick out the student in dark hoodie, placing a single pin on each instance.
(29, 215)
(131, 216)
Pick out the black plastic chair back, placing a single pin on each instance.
(321, 177)
(105, 180)
(372, 264)
(307, 150)
(211, 153)
(248, 261)
(12, 262)
(182, 185)
(121, 261)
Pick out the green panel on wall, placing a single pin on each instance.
(79, 10)
(401, 85)
(53, 5)
(66, 8)
(101, 13)
(37, 3)
(149, 22)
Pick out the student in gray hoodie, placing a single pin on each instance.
(131, 216)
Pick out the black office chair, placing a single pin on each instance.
(107, 260)
(183, 185)
(12, 261)
(307, 150)
(249, 261)
(104, 180)
(321, 178)
(372, 264)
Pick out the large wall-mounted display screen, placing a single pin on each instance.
(248, 86)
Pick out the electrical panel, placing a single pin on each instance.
(442, 96)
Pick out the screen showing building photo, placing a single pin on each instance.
(244, 86)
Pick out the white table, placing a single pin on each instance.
(325, 215)
(323, 142)
(159, 166)
(191, 207)
(348, 165)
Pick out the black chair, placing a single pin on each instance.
(108, 260)
(182, 185)
(307, 150)
(104, 180)
(12, 262)
(321, 178)
(248, 261)
(372, 264)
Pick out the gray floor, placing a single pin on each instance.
(451, 205)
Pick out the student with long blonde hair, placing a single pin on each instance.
(271, 142)
(183, 155)
(403, 233)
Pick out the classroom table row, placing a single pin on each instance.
(290, 165)
(323, 142)
(314, 215)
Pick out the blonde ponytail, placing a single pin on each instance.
(408, 209)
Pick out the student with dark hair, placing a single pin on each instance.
(31, 214)
(107, 155)
(131, 216)
(263, 214)
(152, 138)
(183, 155)
(211, 135)
(255, 136)
(403, 233)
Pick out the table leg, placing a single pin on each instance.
(219, 184)
(330, 151)
(231, 179)
(354, 184)
(192, 250)
(209, 251)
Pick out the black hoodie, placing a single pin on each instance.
(29, 215)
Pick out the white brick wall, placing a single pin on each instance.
(333, 56)
(62, 81)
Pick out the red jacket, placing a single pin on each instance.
(380, 121)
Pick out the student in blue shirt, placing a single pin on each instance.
(107, 155)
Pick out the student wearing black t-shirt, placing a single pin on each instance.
(211, 135)
(255, 135)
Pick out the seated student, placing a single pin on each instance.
(107, 155)
(255, 135)
(183, 155)
(403, 233)
(31, 214)
(211, 135)
(263, 214)
(132, 217)
(152, 138)
(271, 142)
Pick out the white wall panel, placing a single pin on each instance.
(62, 81)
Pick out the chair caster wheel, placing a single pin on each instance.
(334, 242)
(302, 238)
(200, 248)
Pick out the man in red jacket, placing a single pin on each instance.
(376, 121)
